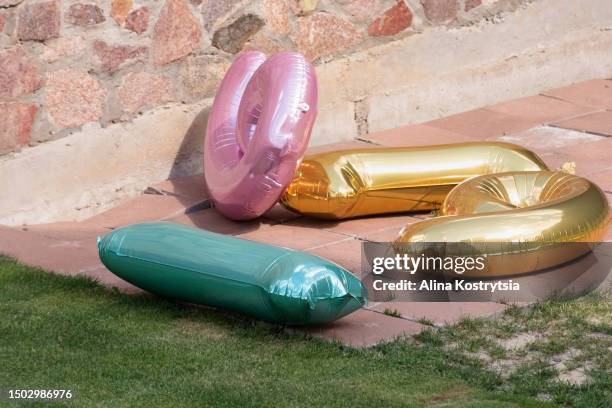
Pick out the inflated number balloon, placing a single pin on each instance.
(258, 130)
(272, 283)
(359, 182)
(527, 220)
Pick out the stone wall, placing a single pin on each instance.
(98, 99)
(66, 64)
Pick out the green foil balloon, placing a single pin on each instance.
(271, 283)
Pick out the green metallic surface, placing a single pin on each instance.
(271, 283)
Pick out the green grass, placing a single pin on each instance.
(562, 335)
(392, 312)
(117, 350)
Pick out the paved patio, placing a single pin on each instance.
(572, 123)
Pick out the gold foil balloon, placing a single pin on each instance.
(522, 221)
(353, 183)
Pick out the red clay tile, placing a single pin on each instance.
(440, 313)
(213, 221)
(590, 157)
(17, 243)
(110, 280)
(365, 328)
(66, 231)
(356, 227)
(584, 166)
(73, 257)
(603, 179)
(64, 248)
(599, 123)
(300, 237)
(540, 109)
(62, 256)
(279, 214)
(387, 234)
(345, 253)
(147, 207)
(352, 144)
(416, 135)
(391, 233)
(546, 139)
(191, 187)
(582, 151)
(554, 160)
(482, 123)
(596, 93)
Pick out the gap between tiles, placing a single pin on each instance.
(422, 321)
(347, 239)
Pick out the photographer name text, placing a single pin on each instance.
(454, 286)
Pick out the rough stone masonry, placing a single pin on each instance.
(65, 64)
(99, 99)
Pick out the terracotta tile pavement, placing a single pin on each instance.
(190, 187)
(540, 108)
(211, 220)
(483, 123)
(596, 93)
(388, 234)
(546, 139)
(584, 167)
(440, 313)
(603, 179)
(590, 157)
(294, 236)
(65, 248)
(68, 231)
(346, 253)
(365, 328)
(147, 207)
(415, 135)
(70, 247)
(48, 252)
(356, 227)
(278, 214)
(351, 144)
(599, 123)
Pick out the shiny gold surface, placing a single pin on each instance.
(353, 183)
(526, 219)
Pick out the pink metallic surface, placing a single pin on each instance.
(258, 131)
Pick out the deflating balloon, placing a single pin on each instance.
(272, 283)
(526, 221)
(258, 130)
(353, 183)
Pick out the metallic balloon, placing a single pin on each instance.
(272, 283)
(353, 183)
(526, 221)
(258, 130)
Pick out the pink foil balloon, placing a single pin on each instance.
(258, 130)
